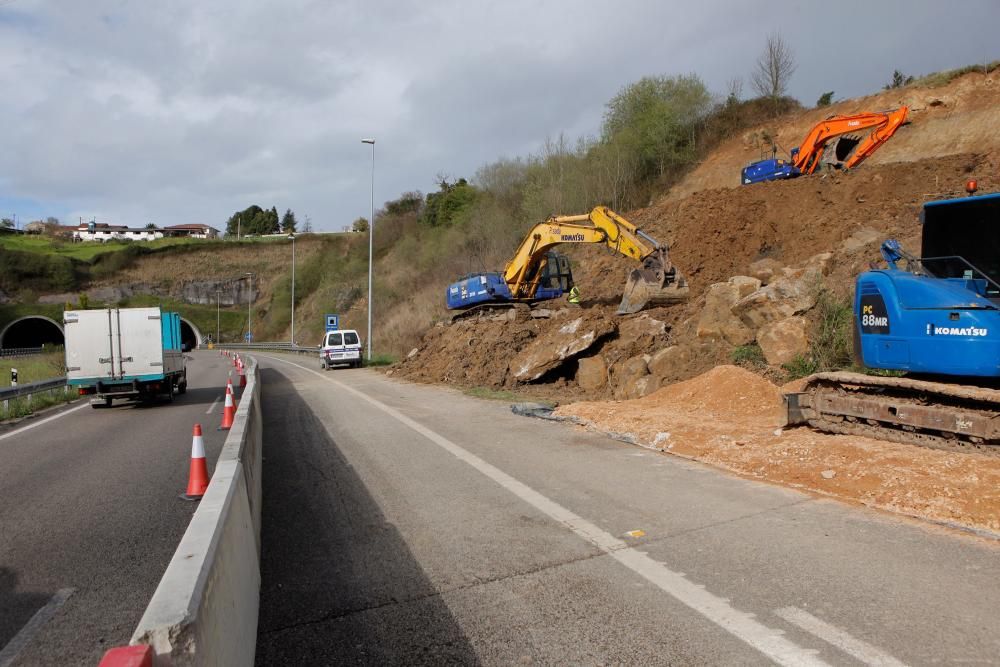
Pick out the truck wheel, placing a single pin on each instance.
(170, 392)
(182, 386)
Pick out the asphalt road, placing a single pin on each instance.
(90, 514)
(406, 524)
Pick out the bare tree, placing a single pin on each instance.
(775, 67)
(735, 88)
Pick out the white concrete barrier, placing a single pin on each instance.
(204, 611)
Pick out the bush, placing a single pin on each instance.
(749, 356)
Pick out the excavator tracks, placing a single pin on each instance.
(905, 410)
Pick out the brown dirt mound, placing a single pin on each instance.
(728, 418)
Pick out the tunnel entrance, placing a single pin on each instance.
(190, 336)
(32, 331)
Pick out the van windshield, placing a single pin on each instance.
(350, 338)
(334, 339)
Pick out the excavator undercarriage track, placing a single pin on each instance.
(905, 410)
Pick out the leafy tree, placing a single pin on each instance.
(51, 220)
(408, 202)
(151, 226)
(253, 220)
(775, 67)
(288, 222)
(655, 119)
(449, 203)
(7, 223)
(825, 99)
(898, 80)
(360, 225)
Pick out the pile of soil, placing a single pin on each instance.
(731, 418)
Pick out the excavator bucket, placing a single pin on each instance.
(656, 284)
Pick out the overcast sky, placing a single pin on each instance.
(185, 111)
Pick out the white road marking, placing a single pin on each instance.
(14, 647)
(43, 421)
(742, 625)
(211, 408)
(863, 651)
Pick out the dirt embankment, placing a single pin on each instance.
(959, 117)
(730, 418)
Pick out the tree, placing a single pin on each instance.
(449, 203)
(7, 223)
(307, 225)
(775, 67)
(655, 121)
(360, 225)
(51, 220)
(288, 222)
(151, 226)
(735, 87)
(253, 221)
(825, 99)
(898, 80)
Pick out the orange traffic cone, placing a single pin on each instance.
(228, 410)
(243, 379)
(198, 474)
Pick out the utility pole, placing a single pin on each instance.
(218, 315)
(371, 237)
(249, 304)
(292, 236)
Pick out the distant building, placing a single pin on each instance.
(195, 231)
(94, 231)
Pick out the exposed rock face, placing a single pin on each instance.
(592, 373)
(783, 298)
(717, 319)
(553, 348)
(229, 293)
(640, 332)
(784, 340)
(859, 239)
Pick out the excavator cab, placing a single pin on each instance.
(557, 272)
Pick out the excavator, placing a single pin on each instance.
(930, 335)
(537, 272)
(846, 153)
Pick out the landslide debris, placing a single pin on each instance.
(730, 417)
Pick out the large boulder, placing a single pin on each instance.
(550, 350)
(640, 331)
(781, 299)
(632, 378)
(592, 373)
(670, 361)
(784, 340)
(717, 319)
(765, 269)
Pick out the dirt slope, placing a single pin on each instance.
(947, 120)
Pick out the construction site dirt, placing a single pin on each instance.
(757, 258)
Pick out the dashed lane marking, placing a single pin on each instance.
(42, 421)
(211, 408)
(743, 625)
(862, 651)
(14, 647)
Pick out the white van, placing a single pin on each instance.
(340, 347)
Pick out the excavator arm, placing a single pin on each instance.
(658, 280)
(883, 126)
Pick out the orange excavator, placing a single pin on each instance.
(847, 152)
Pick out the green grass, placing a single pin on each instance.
(380, 360)
(749, 356)
(34, 368)
(84, 251)
(492, 394)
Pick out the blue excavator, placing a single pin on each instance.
(930, 328)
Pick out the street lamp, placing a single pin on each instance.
(292, 237)
(249, 303)
(218, 316)
(371, 236)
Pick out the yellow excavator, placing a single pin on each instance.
(537, 272)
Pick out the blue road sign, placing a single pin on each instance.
(249, 337)
(332, 322)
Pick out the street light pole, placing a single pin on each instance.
(249, 303)
(218, 316)
(292, 236)
(371, 237)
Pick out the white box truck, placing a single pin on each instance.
(133, 353)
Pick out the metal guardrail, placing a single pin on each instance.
(283, 347)
(8, 394)
(20, 351)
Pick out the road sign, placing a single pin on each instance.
(248, 336)
(332, 322)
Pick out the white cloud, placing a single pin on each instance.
(186, 111)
